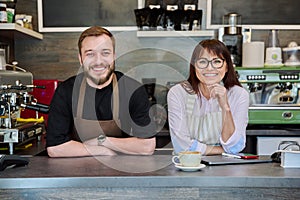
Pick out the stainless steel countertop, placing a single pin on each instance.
(142, 171)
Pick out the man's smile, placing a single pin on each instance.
(99, 68)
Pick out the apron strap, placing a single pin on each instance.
(116, 104)
(115, 98)
(190, 103)
(191, 97)
(81, 98)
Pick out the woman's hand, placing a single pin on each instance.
(220, 92)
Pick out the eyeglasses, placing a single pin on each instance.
(203, 63)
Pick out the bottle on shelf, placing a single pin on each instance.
(196, 26)
(3, 13)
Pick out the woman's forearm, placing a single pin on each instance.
(228, 126)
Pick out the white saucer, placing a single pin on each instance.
(189, 169)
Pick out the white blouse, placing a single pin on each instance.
(182, 139)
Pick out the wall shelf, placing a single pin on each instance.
(200, 33)
(14, 31)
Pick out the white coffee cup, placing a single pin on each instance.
(187, 158)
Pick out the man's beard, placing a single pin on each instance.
(101, 80)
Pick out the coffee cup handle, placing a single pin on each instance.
(175, 160)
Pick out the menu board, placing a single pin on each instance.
(55, 15)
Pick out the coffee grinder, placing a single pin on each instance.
(233, 37)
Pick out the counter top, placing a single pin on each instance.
(142, 171)
(145, 177)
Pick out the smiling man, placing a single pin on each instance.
(100, 111)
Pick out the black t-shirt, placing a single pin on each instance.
(133, 108)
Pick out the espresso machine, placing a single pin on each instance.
(15, 88)
(274, 95)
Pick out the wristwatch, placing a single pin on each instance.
(101, 138)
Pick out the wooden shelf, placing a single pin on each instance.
(13, 31)
(200, 33)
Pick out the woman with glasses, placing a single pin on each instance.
(209, 111)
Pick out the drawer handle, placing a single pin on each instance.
(287, 115)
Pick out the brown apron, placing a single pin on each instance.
(88, 129)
